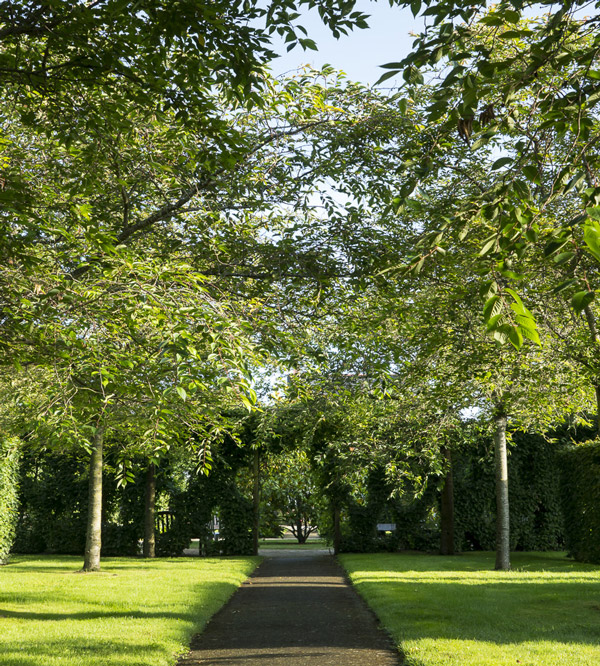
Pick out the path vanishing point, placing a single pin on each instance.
(296, 609)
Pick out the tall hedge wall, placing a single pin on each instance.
(54, 500)
(581, 500)
(9, 490)
(536, 518)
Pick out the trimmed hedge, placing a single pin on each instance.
(536, 517)
(9, 494)
(581, 500)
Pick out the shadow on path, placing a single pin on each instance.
(296, 609)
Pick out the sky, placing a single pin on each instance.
(360, 53)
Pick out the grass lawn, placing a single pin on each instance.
(446, 611)
(292, 544)
(133, 613)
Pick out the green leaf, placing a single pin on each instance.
(515, 337)
(491, 307)
(488, 289)
(493, 321)
(532, 335)
(386, 76)
(531, 172)
(492, 19)
(503, 161)
(511, 16)
(488, 246)
(499, 334)
(415, 7)
(515, 296)
(582, 299)
(564, 285)
(563, 257)
(182, 393)
(553, 246)
(591, 236)
(593, 212)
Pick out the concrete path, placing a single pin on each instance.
(296, 609)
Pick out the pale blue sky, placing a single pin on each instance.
(361, 52)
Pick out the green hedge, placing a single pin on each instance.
(581, 500)
(53, 504)
(536, 517)
(9, 491)
(54, 500)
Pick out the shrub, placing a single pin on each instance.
(536, 517)
(9, 488)
(581, 500)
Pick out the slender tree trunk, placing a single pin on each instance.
(337, 529)
(301, 537)
(256, 501)
(591, 320)
(150, 512)
(93, 541)
(447, 508)
(598, 410)
(502, 507)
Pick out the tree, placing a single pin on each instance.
(529, 89)
(289, 489)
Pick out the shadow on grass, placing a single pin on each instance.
(29, 653)
(544, 599)
(82, 644)
(206, 590)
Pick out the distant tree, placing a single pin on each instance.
(289, 490)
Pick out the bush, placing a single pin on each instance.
(9, 500)
(172, 542)
(53, 504)
(536, 517)
(581, 500)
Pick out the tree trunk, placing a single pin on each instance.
(502, 508)
(447, 508)
(256, 501)
(337, 530)
(598, 410)
(591, 320)
(93, 541)
(300, 536)
(150, 512)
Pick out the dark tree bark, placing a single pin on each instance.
(93, 541)
(337, 530)
(502, 506)
(256, 501)
(598, 410)
(150, 512)
(591, 320)
(447, 508)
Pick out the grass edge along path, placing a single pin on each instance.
(450, 611)
(133, 613)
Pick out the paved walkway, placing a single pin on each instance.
(296, 609)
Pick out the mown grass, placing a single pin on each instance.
(133, 613)
(292, 544)
(446, 611)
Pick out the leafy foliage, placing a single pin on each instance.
(289, 491)
(9, 493)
